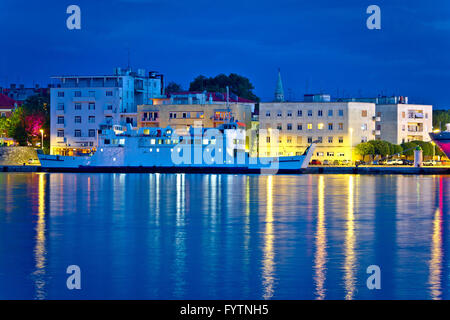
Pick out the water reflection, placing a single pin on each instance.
(268, 257)
(180, 237)
(224, 236)
(40, 249)
(349, 264)
(435, 276)
(321, 242)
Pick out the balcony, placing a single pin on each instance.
(152, 120)
(414, 130)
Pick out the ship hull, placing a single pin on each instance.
(53, 163)
(443, 141)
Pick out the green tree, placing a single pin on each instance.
(381, 147)
(397, 149)
(440, 119)
(173, 87)
(365, 149)
(15, 127)
(238, 85)
(408, 148)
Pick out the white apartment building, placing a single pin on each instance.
(80, 105)
(401, 123)
(336, 127)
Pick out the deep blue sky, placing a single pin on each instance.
(322, 42)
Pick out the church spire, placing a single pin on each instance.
(279, 92)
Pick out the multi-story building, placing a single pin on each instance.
(208, 114)
(398, 121)
(80, 105)
(183, 116)
(336, 127)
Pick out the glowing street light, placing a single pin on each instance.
(42, 138)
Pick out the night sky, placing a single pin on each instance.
(322, 45)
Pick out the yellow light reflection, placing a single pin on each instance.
(39, 249)
(349, 265)
(268, 260)
(321, 242)
(436, 258)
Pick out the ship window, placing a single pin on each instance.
(157, 149)
(152, 141)
(107, 141)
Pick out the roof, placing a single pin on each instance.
(216, 96)
(6, 101)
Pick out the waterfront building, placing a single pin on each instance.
(336, 127)
(80, 105)
(208, 113)
(398, 122)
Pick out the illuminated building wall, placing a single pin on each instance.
(337, 126)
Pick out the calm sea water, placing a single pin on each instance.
(176, 236)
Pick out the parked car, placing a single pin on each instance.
(326, 162)
(429, 163)
(407, 162)
(315, 162)
(394, 162)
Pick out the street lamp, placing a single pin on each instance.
(42, 139)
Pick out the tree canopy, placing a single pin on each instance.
(238, 85)
(440, 119)
(173, 87)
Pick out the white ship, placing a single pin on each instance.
(200, 150)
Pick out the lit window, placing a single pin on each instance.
(310, 126)
(320, 126)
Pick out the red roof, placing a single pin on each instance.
(7, 102)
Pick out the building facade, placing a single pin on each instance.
(336, 127)
(80, 105)
(183, 116)
(400, 123)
